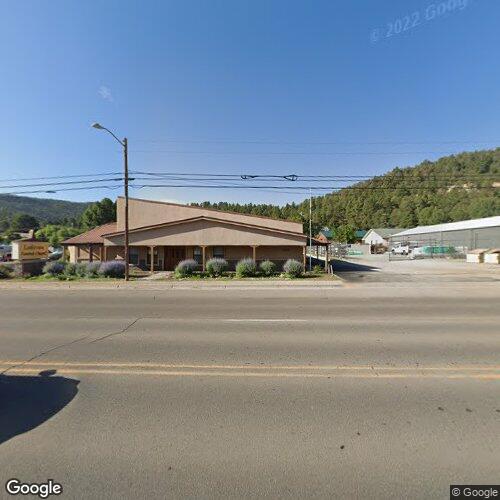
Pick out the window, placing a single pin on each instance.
(218, 252)
(133, 255)
(197, 255)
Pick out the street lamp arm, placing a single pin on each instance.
(109, 131)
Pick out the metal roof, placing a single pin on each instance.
(384, 232)
(453, 226)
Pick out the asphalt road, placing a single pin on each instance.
(354, 392)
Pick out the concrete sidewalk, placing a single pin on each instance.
(166, 285)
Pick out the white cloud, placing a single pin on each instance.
(105, 93)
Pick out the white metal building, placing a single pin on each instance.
(472, 234)
(380, 236)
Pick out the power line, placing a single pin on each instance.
(294, 153)
(309, 143)
(58, 177)
(61, 183)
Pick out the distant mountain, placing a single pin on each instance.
(458, 187)
(45, 210)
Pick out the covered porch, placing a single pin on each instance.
(165, 258)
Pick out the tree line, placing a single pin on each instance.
(453, 188)
(100, 212)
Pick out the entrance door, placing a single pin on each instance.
(173, 255)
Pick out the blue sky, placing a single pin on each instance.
(227, 86)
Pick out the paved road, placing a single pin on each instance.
(354, 392)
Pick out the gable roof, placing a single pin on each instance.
(385, 232)
(327, 233)
(93, 236)
(453, 226)
(204, 217)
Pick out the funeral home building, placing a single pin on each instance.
(161, 234)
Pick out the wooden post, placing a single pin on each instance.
(203, 257)
(317, 252)
(304, 251)
(91, 253)
(327, 258)
(105, 252)
(254, 253)
(152, 263)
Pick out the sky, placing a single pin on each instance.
(243, 87)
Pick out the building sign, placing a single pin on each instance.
(29, 250)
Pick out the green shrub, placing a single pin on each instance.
(317, 269)
(70, 269)
(112, 269)
(293, 268)
(54, 268)
(246, 268)
(216, 266)
(267, 267)
(186, 268)
(92, 269)
(5, 272)
(81, 269)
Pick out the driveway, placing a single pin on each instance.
(378, 269)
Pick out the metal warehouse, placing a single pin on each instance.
(471, 234)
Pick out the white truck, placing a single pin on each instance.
(400, 249)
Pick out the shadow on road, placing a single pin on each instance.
(28, 401)
(352, 267)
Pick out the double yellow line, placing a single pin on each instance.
(480, 372)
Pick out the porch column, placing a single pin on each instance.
(327, 258)
(317, 252)
(254, 252)
(105, 253)
(304, 250)
(152, 262)
(91, 252)
(100, 252)
(64, 254)
(203, 257)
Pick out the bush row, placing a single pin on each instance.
(245, 268)
(64, 270)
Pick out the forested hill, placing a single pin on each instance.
(45, 210)
(458, 187)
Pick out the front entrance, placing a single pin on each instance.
(173, 255)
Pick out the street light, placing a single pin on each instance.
(124, 144)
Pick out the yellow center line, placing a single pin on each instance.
(176, 373)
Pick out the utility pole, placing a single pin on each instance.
(124, 144)
(310, 228)
(125, 179)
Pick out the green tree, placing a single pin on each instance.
(23, 223)
(345, 234)
(99, 213)
(54, 233)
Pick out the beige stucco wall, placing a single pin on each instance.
(208, 233)
(148, 213)
(82, 253)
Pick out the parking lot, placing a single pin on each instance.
(378, 269)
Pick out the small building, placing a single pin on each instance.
(492, 256)
(380, 236)
(161, 234)
(359, 234)
(325, 235)
(468, 234)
